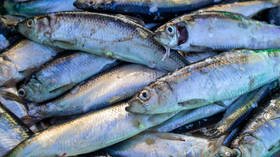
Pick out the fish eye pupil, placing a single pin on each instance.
(29, 23)
(21, 92)
(170, 29)
(144, 94)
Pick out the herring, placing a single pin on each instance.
(222, 77)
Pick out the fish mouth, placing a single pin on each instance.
(183, 34)
(135, 107)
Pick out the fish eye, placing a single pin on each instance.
(29, 23)
(170, 30)
(21, 92)
(145, 95)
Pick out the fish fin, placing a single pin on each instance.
(65, 43)
(194, 103)
(8, 141)
(170, 137)
(200, 48)
(133, 19)
(63, 88)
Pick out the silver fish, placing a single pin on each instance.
(164, 145)
(248, 8)
(11, 132)
(213, 30)
(21, 60)
(124, 40)
(62, 74)
(99, 92)
(187, 117)
(260, 137)
(89, 133)
(222, 77)
(38, 7)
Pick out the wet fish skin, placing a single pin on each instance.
(10, 100)
(202, 31)
(247, 8)
(88, 133)
(196, 57)
(187, 117)
(214, 79)
(16, 63)
(8, 35)
(232, 120)
(260, 137)
(163, 145)
(38, 7)
(11, 132)
(62, 74)
(124, 40)
(99, 92)
(149, 10)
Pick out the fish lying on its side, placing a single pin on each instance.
(247, 8)
(148, 9)
(164, 145)
(88, 133)
(22, 60)
(187, 117)
(11, 132)
(260, 137)
(124, 40)
(99, 92)
(219, 78)
(37, 7)
(62, 74)
(216, 30)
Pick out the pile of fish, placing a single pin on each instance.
(139, 78)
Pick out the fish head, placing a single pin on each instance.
(37, 28)
(33, 87)
(95, 4)
(172, 34)
(154, 99)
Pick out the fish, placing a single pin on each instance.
(147, 9)
(124, 40)
(273, 16)
(8, 34)
(164, 145)
(99, 92)
(228, 75)
(240, 114)
(32, 8)
(217, 31)
(11, 131)
(62, 74)
(247, 8)
(11, 101)
(88, 133)
(187, 117)
(260, 137)
(21, 60)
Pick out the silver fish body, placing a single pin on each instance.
(38, 7)
(215, 30)
(247, 8)
(13, 103)
(101, 34)
(163, 145)
(21, 60)
(62, 74)
(187, 117)
(108, 88)
(196, 57)
(11, 132)
(222, 77)
(148, 9)
(260, 137)
(89, 133)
